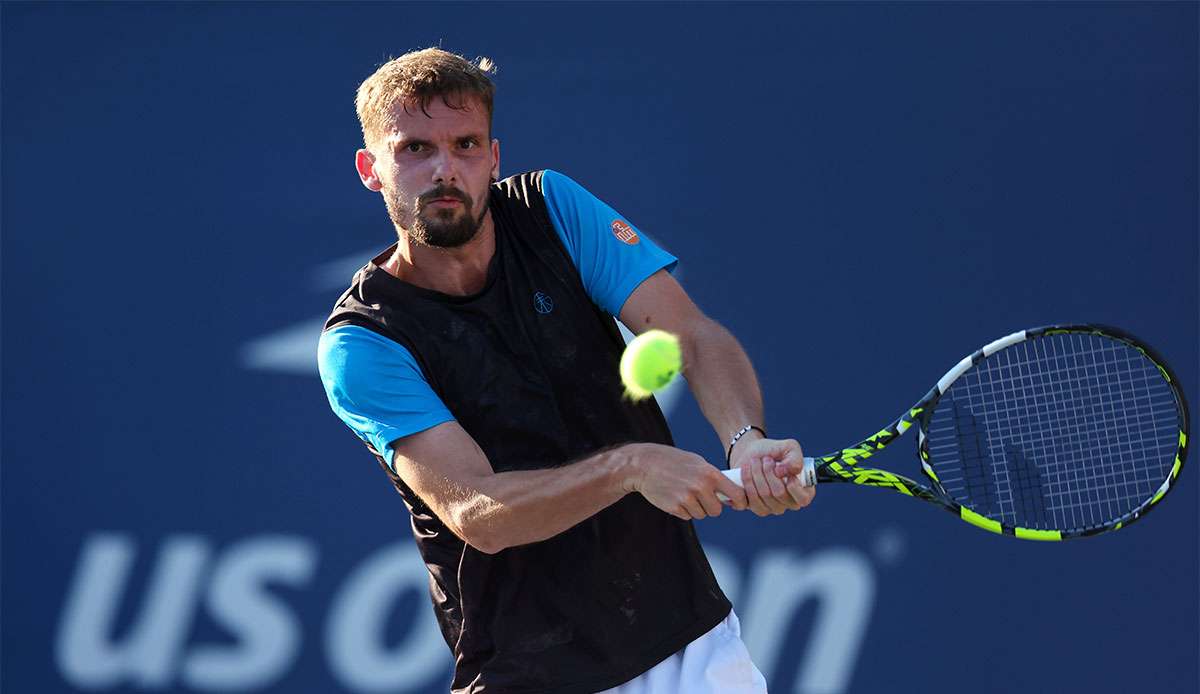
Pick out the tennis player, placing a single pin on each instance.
(477, 359)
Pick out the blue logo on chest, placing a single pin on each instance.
(542, 302)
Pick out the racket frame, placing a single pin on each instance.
(843, 466)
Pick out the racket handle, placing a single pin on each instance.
(808, 476)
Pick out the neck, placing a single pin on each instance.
(460, 271)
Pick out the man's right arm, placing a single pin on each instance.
(492, 511)
(377, 388)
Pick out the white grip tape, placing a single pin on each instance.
(808, 476)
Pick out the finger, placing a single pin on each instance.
(763, 487)
(694, 509)
(787, 464)
(735, 494)
(801, 495)
(778, 491)
(791, 456)
(753, 499)
(775, 471)
(795, 494)
(774, 467)
(710, 504)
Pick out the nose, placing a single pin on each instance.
(444, 170)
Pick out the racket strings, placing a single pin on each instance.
(1063, 431)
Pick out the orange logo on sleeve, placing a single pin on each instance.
(624, 232)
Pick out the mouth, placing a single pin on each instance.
(443, 203)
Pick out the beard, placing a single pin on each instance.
(439, 228)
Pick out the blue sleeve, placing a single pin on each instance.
(376, 387)
(613, 257)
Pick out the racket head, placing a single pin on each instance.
(1055, 432)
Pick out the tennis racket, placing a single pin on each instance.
(1047, 434)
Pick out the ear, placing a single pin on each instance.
(495, 159)
(364, 161)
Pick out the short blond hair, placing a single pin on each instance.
(417, 78)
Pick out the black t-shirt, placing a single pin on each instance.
(535, 382)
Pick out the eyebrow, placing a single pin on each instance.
(405, 141)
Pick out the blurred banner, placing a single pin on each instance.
(862, 193)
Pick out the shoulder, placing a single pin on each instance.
(523, 186)
(350, 353)
(552, 185)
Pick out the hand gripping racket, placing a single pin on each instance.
(1046, 434)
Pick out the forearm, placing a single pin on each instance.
(722, 380)
(520, 507)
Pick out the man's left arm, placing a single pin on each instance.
(720, 375)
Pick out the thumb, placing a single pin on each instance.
(788, 455)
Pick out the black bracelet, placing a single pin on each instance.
(733, 441)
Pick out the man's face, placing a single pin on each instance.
(434, 171)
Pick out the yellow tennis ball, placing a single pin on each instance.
(650, 362)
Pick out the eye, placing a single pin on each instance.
(414, 147)
(468, 143)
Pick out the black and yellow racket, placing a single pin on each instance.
(1046, 434)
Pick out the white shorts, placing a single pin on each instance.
(716, 663)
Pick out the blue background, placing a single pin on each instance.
(862, 193)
